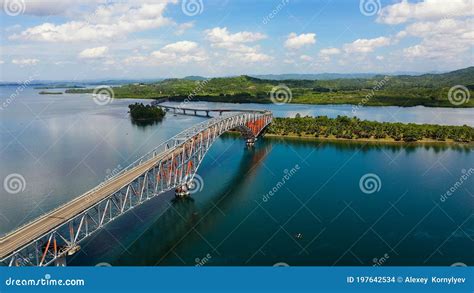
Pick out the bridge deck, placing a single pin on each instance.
(209, 110)
(12, 243)
(42, 225)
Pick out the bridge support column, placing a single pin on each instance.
(182, 191)
(250, 142)
(60, 262)
(207, 114)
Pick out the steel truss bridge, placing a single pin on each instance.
(172, 165)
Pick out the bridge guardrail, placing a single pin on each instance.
(173, 142)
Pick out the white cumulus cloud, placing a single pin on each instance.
(93, 53)
(326, 53)
(443, 39)
(425, 10)
(220, 35)
(106, 22)
(366, 45)
(45, 7)
(253, 57)
(237, 44)
(182, 28)
(25, 62)
(180, 47)
(295, 41)
(330, 51)
(179, 52)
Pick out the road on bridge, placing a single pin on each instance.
(26, 238)
(49, 221)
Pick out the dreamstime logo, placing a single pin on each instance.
(370, 183)
(281, 94)
(200, 86)
(111, 173)
(281, 264)
(458, 264)
(103, 264)
(458, 95)
(196, 184)
(202, 261)
(14, 183)
(288, 174)
(378, 86)
(14, 7)
(103, 95)
(380, 261)
(466, 174)
(369, 7)
(275, 11)
(17, 92)
(192, 7)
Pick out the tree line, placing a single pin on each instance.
(353, 128)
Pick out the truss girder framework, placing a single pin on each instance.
(177, 161)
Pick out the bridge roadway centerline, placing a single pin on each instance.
(57, 217)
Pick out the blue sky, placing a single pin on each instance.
(98, 39)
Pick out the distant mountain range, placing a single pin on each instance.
(463, 76)
(320, 76)
(466, 72)
(80, 83)
(379, 90)
(195, 77)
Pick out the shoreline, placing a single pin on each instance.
(372, 140)
(356, 103)
(346, 103)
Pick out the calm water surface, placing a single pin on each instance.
(65, 145)
(419, 115)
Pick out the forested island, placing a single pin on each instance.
(430, 90)
(49, 93)
(140, 112)
(344, 127)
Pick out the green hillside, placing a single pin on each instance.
(403, 90)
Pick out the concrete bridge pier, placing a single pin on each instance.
(182, 191)
(207, 114)
(250, 142)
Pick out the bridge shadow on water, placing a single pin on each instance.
(181, 222)
(178, 222)
(169, 231)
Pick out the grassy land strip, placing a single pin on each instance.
(345, 128)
